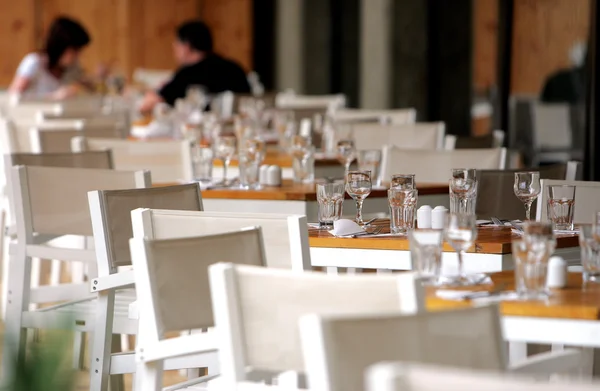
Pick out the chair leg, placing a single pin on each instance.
(117, 382)
(102, 342)
(79, 342)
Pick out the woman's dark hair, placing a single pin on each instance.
(64, 33)
(196, 34)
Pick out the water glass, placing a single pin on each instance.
(403, 181)
(202, 163)
(358, 186)
(249, 172)
(225, 147)
(461, 233)
(531, 267)
(589, 242)
(426, 252)
(561, 206)
(370, 160)
(527, 188)
(346, 153)
(403, 204)
(463, 191)
(330, 197)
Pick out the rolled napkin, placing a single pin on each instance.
(477, 296)
(345, 227)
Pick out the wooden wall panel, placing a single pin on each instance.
(544, 32)
(485, 44)
(231, 23)
(17, 35)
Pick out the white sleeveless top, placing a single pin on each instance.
(42, 82)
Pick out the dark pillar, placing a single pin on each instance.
(264, 41)
(345, 49)
(317, 46)
(505, 38)
(592, 160)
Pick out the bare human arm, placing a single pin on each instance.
(151, 99)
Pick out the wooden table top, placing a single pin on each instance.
(575, 301)
(277, 157)
(290, 191)
(490, 240)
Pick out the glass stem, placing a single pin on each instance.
(225, 166)
(347, 168)
(528, 210)
(461, 267)
(359, 205)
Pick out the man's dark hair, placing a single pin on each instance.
(196, 34)
(64, 33)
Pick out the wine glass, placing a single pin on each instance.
(463, 186)
(225, 147)
(346, 153)
(358, 186)
(527, 188)
(461, 232)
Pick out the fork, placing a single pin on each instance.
(374, 232)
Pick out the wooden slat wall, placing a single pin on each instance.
(485, 44)
(17, 35)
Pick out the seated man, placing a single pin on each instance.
(199, 66)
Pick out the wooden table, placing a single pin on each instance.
(292, 198)
(491, 253)
(570, 316)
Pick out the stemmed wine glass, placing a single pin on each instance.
(464, 186)
(527, 188)
(358, 186)
(461, 232)
(225, 147)
(346, 153)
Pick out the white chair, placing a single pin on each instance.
(110, 212)
(399, 376)
(552, 133)
(285, 236)
(390, 117)
(423, 135)
(494, 140)
(172, 282)
(257, 312)
(587, 200)
(51, 202)
(435, 166)
(152, 78)
(170, 161)
(43, 139)
(287, 100)
(339, 348)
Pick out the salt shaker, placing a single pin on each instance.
(274, 176)
(557, 273)
(438, 217)
(263, 174)
(424, 217)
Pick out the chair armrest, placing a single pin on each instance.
(119, 280)
(189, 383)
(186, 345)
(564, 361)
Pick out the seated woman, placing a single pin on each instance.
(53, 72)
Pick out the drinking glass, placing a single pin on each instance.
(403, 181)
(461, 232)
(531, 267)
(463, 190)
(537, 230)
(358, 186)
(302, 152)
(527, 188)
(561, 206)
(225, 147)
(202, 163)
(589, 242)
(402, 209)
(330, 197)
(370, 160)
(346, 153)
(426, 252)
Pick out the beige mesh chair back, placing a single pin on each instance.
(169, 161)
(435, 166)
(172, 282)
(399, 376)
(552, 133)
(59, 140)
(287, 100)
(429, 136)
(339, 348)
(285, 236)
(257, 311)
(391, 117)
(587, 200)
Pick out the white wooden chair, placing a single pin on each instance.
(423, 135)
(496, 140)
(152, 78)
(339, 348)
(390, 117)
(285, 236)
(552, 134)
(110, 212)
(399, 376)
(172, 281)
(52, 202)
(287, 100)
(257, 312)
(434, 166)
(170, 161)
(587, 200)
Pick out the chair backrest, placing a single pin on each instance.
(170, 161)
(111, 217)
(434, 166)
(426, 135)
(285, 236)
(552, 126)
(339, 348)
(59, 140)
(455, 142)
(587, 200)
(257, 310)
(53, 200)
(399, 376)
(392, 117)
(172, 275)
(291, 100)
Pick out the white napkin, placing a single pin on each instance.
(448, 294)
(345, 227)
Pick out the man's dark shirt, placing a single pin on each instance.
(214, 73)
(565, 86)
